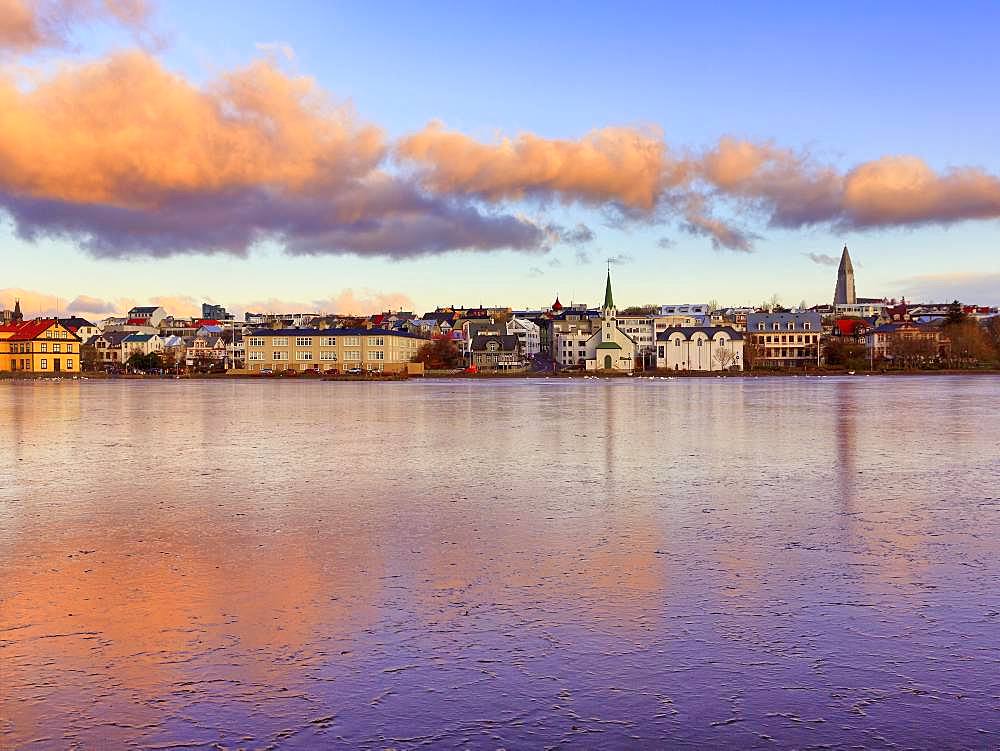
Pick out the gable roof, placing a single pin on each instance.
(507, 342)
(30, 330)
(138, 338)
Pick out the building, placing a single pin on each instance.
(641, 330)
(216, 312)
(785, 340)
(146, 316)
(700, 312)
(81, 327)
(844, 293)
(12, 316)
(703, 348)
(569, 330)
(42, 345)
(338, 349)
(497, 352)
(140, 344)
(906, 341)
(528, 333)
(609, 348)
(108, 346)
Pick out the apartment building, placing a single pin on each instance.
(330, 349)
(42, 345)
(785, 340)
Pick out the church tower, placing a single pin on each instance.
(608, 309)
(18, 316)
(844, 294)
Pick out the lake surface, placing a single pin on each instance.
(687, 563)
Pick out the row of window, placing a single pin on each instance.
(720, 342)
(806, 326)
(43, 364)
(25, 347)
(788, 339)
(324, 341)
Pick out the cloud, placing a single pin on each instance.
(968, 287)
(535, 271)
(611, 165)
(578, 235)
(275, 50)
(347, 301)
(582, 256)
(666, 243)
(85, 304)
(127, 159)
(27, 25)
(620, 259)
(822, 259)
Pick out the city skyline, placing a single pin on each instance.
(732, 174)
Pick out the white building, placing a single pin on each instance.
(699, 311)
(528, 334)
(610, 348)
(142, 344)
(703, 348)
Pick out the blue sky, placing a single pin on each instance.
(847, 82)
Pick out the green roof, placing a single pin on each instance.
(609, 300)
(609, 345)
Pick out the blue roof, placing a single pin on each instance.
(333, 332)
(138, 337)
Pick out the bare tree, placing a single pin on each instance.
(724, 357)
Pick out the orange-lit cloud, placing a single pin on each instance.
(26, 25)
(611, 165)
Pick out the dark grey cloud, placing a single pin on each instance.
(822, 259)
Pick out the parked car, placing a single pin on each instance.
(289, 372)
(266, 371)
(355, 371)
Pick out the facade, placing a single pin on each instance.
(568, 334)
(108, 346)
(528, 334)
(844, 293)
(339, 349)
(497, 352)
(641, 330)
(609, 348)
(700, 312)
(892, 340)
(150, 315)
(140, 344)
(81, 327)
(704, 348)
(42, 345)
(217, 312)
(785, 340)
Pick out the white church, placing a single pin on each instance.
(610, 348)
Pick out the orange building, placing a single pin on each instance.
(42, 345)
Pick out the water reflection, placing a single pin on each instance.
(596, 563)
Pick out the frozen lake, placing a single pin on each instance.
(689, 563)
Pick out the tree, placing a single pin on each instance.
(845, 352)
(993, 330)
(724, 357)
(955, 314)
(911, 351)
(639, 310)
(713, 305)
(89, 358)
(752, 351)
(970, 344)
(439, 354)
(139, 361)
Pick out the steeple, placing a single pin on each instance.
(609, 300)
(844, 294)
(18, 316)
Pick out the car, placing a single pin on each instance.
(291, 372)
(266, 371)
(355, 371)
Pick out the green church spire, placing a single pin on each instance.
(609, 300)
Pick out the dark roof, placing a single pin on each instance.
(75, 322)
(689, 331)
(332, 332)
(144, 311)
(114, 338)
(508, 342)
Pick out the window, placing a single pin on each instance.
(791, 326)
(492, 347)
(722, 342)
(376, 355)
(303, 355)
(69, 346)
(255, 355)
(328, 341)
(57, 347)
(353, 355)
(352, 341)
(279, 341)
(45, 347)
(701, 342)
(328, 356)
(807, 325)
(69, 363)
(760, 326)
(255, 341)
(45, 364)
(276, 355)
(776, 326)
(376, 341)
(677, 342)
(303, 341)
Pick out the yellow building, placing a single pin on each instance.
(341, 350)
(42, 345)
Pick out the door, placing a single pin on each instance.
(56, 364)
(607, 362)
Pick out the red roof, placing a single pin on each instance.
(205, 322)
(31, 329)
(137, 322)
(557, 305)
(849, 326)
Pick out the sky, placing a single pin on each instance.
(353, 157)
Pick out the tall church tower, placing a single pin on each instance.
(609, 301)
(18, 316)
(844, 294)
